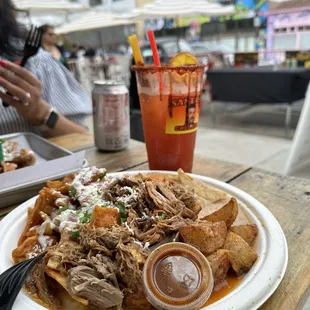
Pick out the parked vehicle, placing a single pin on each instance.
(203, 47)
(220, 53)
(115, 65)
(167, 48)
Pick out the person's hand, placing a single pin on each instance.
(25, 92)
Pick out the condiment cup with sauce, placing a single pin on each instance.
(177, 276)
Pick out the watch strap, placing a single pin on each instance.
(52, 119)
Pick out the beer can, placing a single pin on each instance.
(111, 115)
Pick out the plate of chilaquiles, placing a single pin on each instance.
(144, 240)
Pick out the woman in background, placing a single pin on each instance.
(45, 99)
(49, 44)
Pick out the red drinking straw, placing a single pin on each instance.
(156, 58)
(152, 40)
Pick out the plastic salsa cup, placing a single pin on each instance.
(177, 276)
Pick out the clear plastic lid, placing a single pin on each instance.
(177, 276)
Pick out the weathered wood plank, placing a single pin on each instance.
(289, 200)
(75, 142)
(213, 168)
(6, 210)
(117, 161)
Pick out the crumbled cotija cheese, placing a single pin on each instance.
(62, 201)
(45, 241)
(85, 175)
(36, 250)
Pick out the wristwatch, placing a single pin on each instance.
(51, 119)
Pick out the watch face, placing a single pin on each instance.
(52, 120)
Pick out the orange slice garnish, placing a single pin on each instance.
(183, 59)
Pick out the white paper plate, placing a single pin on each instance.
(255, 288)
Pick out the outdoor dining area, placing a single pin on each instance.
(274, 84)
(285, 198)
(120, 190)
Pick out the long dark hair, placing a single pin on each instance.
(45, 28)
(10, 31)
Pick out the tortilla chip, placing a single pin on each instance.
(58, 186)
(20, 253)
(104, 217)
(62, 280)
(203, 190)
(44, 203)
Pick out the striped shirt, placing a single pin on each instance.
(59, 89)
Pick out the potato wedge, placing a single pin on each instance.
(247, 232)
(228, 213)
(206, 237)
(242, 257)
(104, 217)
(220, 264)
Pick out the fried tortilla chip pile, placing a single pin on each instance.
(98, 230)
(16, 157)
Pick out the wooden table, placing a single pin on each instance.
(287, 198)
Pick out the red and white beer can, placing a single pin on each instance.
(111, 115)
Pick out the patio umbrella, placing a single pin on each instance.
(48, 5)
(177, 8)
(93, 20)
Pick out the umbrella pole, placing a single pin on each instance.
(67, 17)
(100, 38)
(179, 33)
(28, 16)
(109, 6)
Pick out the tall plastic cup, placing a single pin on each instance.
(170, 105)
